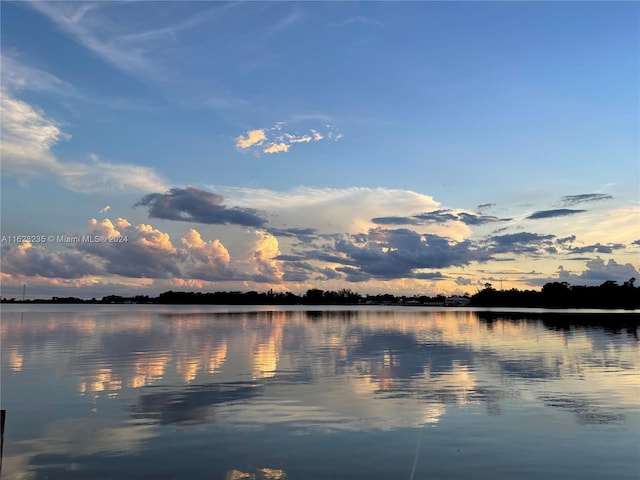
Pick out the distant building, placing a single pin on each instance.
(457, 301)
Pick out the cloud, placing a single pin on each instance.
(28, 137)
(399, 253)
(337, 210)
(276, 148)
(253, 137)
(192, 204)
(596, 273)
(147, 253)
(266, 251)
(105, 209)
(92, 32)
(30, 260)
(209, 260)
(276, 140)
(303, 234)
(569, 200)
(358, 19)
(485, 206)
(597, 248)
(439, 216)
(97, 175)
(560, 212)
(525, 243)
(17, 76)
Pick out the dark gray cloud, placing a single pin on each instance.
(464, 281)
(429, 276)
(569, 200)
(559, 212)
(327, 274)
(439, 216)
(390, 254)
(354, 275)
(636, 242)
(597, 248)
(290, 258)
(563, 240)
(395, 220)
(295, 276)
(485, 206)
(192, 204)
(473, 219)
(521, 243)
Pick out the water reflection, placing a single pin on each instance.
(121, 378)
(260, 474)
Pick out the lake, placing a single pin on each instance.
(229, 393)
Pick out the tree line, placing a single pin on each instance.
(552, 295)
(563, 295)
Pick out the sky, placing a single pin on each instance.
(383, 147)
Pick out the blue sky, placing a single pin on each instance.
(420, 147)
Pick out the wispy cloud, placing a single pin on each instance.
(439, 216)
(28, 137)
(285, 22)
(91, 31)
(560, 212)
(99, 27)
(17, 76)
(569, 200)
(276, 140)
(358, 20)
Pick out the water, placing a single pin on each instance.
(157, 392)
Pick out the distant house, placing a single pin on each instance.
(457, 301)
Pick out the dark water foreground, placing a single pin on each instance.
(159, 392)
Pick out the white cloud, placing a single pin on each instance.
(265, 249)
(339, 210)
(276, 148)
(98, 175)
(28, 137)
(253, 137)
(276, 140)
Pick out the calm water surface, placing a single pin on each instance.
(157, 392)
